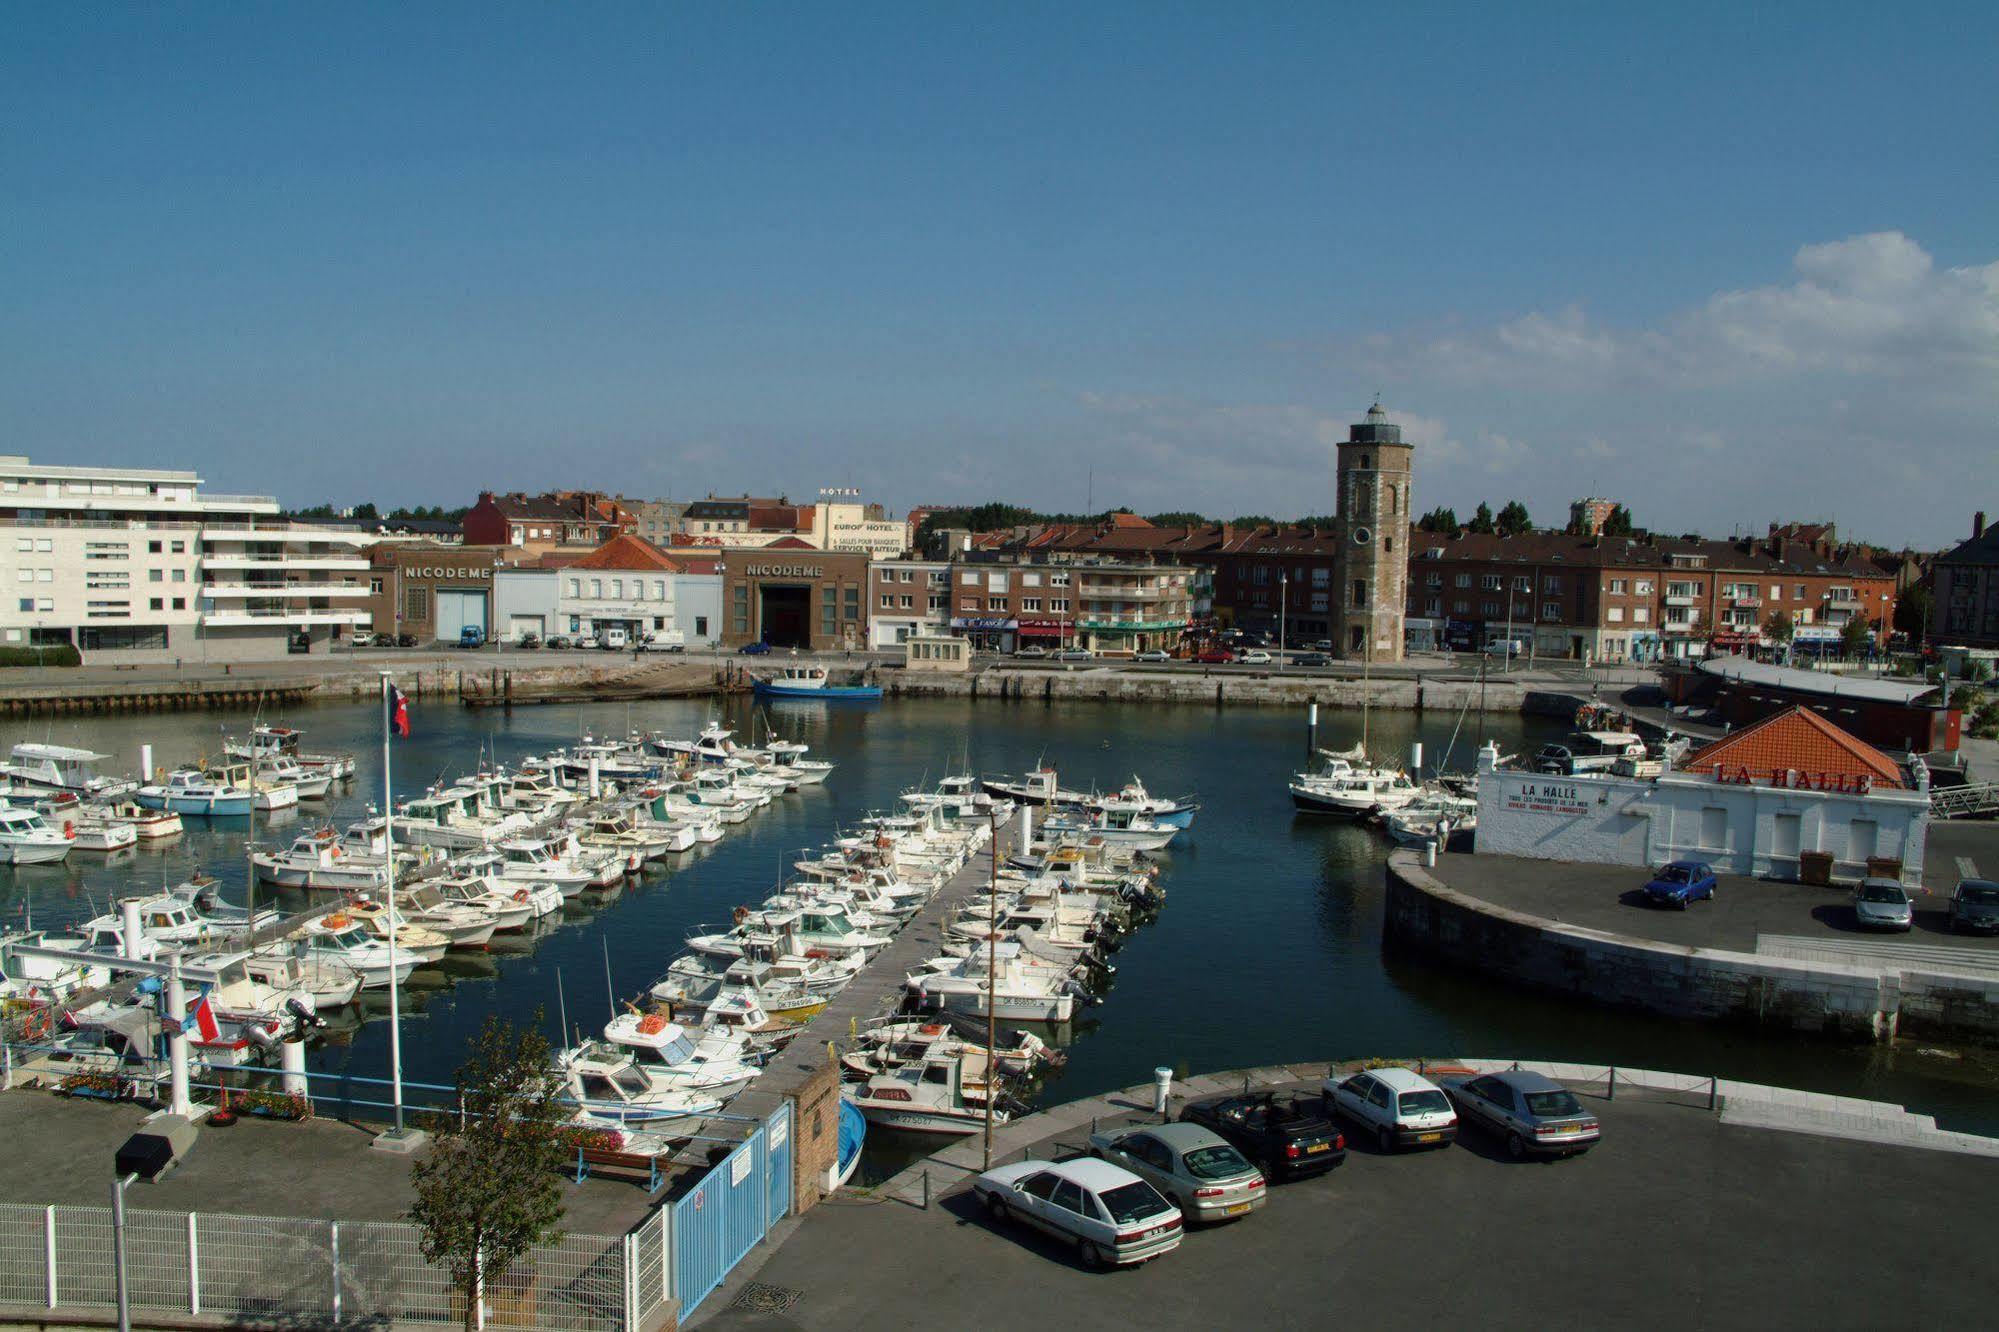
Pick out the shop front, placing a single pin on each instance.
(1051, 634)
(987, 633)
(1421, 635)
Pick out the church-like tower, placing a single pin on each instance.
(1375, 473)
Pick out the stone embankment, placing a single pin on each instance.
(1223, 686)
(1850, 1001)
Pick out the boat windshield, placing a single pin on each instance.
(1132, 1202)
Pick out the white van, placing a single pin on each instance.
(614, 639)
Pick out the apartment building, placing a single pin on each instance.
(1012, 598)
(140, 565)
(840, 522)
(1966, 582)
(559, 522)
(908, 599)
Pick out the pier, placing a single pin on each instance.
(805, 1073)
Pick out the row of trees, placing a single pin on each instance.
(1856, 636)
(436, 513)
(1511, 520)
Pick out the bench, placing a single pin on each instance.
(594, 1160)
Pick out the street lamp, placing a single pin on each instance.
(1283, 588)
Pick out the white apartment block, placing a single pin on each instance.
(139, 565)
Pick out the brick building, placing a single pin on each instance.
(1966, 582)
(573, 521)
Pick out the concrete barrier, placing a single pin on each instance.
(1822, 998)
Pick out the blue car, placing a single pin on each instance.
(754, 650)
(1681, 882)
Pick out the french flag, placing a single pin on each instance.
(204, 1021)
(399, 712)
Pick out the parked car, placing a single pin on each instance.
(757, 649)
(665, 640)
(406, 640)
(1311, 659)
(1075, 654)
(529, 640)
(1254, 657)
(471, 636)
(1883, 904)
(557, 642)
(1111, 1215)
(1323, 645)
(1289, 1136)
(1400, 1106)
(1506, 647)
(1153, 654)
(1533, 1114)
(1679, 882)
(1213, 657)
(1034, 652)
(1194, 1168)
(1974, 906)
(361, 638)
(614, 638)
(589, 642)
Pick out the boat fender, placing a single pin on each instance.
(68, 829)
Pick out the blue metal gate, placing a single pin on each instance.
(777, 1162)
(733, 1207)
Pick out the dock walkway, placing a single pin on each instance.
(872, 994)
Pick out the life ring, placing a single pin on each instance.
(652, 1024)
(520, 894)
(932, 1029)
(36, 1028)
(336, 853)
(338, 920)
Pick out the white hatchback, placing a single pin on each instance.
(1113, 1217)
(1401, 1106)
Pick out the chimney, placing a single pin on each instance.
(1978, 525)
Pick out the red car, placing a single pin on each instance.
(1214, 657)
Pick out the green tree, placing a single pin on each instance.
(1778, 627)
(1855, 637)
(1915, 611)
(1481, 521)
(366, 510)
(491, 1190)
(1177, 518)
(1439, 519)
(1514, 519)
(1618, 522)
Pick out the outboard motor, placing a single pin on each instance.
(306, 1019)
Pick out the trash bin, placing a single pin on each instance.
(1884, 867)
(1815, 868)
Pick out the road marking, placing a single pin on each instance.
(1967, 868)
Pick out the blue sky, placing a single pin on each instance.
(1729, 265)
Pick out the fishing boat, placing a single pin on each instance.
(924, 1098)
(1116, 827)
(148, 825)
(223, 794)
(1023, 993)
(1133, 798)
(1344, 790)
(341, 937)
(1039, 787)
(37, 769)
(93, 829)
(714, 1060)
(318, 860)
(272, 742)
(609, 1088)
(27, 839)
(812, 682)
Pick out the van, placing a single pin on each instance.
(614, 638)
(471, 636)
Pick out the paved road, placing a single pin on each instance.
(1608, 897)
(1677, 1221)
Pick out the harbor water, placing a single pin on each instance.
(1268, 948)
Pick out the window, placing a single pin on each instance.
(1360, 592)
(908, 601)
(1030, 579)
(1489, 582)
(888, 600)
(156, 575)
(1523, 582)
(1029, 604)
(25, 575)
(1551, 610)
(1060, 605)
(576, 587)
(27, 604)
(969, 578)
(1464, 580)
(1488, 608)
(596, 589)
(178, 547)
(43, 545)
(156, 603)
(1617, 586)
(1551, 583)
(45, 575)
(700, 626)
(1800, 591)
(1644, 587)
(1776, 591)
(152, 547)
(1460, 608)
(659, 589)
(1388, 545)
(180, 603)
(1641, 615)
(1058, 580)
(617, 589)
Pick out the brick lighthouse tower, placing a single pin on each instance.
(1374, 476)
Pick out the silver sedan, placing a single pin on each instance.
(1195, 1168)
(1883, 904)
(1536, 1115)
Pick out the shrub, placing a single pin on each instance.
(64, 654)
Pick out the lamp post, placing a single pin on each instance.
(992, 978)
(1506, 668)
(1283, 609)
(118, 1185)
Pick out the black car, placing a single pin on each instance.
(529, 641)
(405, 640)
(558, 641)
(1286, 1134)
(1974, 906)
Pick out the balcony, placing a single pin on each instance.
(287, 563)
(326, 535)
(240, 618)
(1677, 599)
(1746, 603)
(283, 590)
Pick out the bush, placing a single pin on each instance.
(62, 655)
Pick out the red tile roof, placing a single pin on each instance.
(790, 543)
(627, 552)
(1798, 740)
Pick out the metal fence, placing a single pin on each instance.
(734, 1206)
(331, 1273)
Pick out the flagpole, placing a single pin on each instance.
(389, 857)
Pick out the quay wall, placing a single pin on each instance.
(1820, 998)
(1221, 688)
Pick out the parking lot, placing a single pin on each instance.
(1610, 897)
(1675, 1221)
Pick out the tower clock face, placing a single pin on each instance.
(1361, 536)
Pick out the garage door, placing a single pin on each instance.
(456, 610)
(520, 626)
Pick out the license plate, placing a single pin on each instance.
(1319, 1147)
(1567, 1130)
(1236, 1209)
(1429, 1137)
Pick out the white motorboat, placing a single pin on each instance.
(331, 982)
(511, 906)
(1115, 826)
(1022, 994)
(311, 784)
(608, 1087)
(458, 818)
(282, 742)
(542, 860)
(227, 792)
(714, 1061)
(27, 839)
(1434, 816)
(39, 769)
(423, 942)
(489, 868)
(929, 1097)
(320, 860)
(1341, 788)
(148, 825)
(94, 830)
(341, 937)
